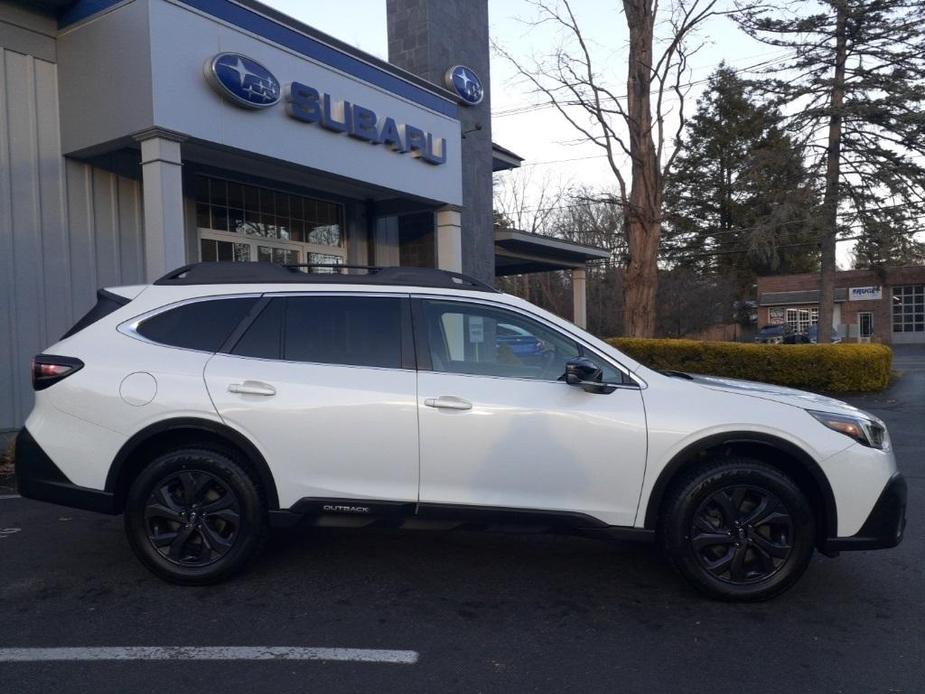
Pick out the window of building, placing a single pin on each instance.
(239, 222)
(799, 320)
(201, 325)
(865, 324)
(909, 309)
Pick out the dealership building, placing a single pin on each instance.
(885, 305)
(140, 135)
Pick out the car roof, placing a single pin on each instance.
(211, 273)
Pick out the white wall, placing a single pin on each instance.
(65, 228)
(114, 64)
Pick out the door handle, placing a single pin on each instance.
(252, 388)
(448, 402)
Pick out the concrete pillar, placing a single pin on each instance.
(386, 252)
(580, 297)
(449, 239)
(427, 37)
(162, 184)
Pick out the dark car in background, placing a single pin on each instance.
(810, 337)
(774, 334)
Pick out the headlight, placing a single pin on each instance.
(865, 431)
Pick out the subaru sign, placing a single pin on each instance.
(467, 86)
(307, 104)
(865, 294)
(243, 80)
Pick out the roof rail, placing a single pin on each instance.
(271, 273)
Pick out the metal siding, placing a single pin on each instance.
(7, 287)
(65, 228)
(56, 270)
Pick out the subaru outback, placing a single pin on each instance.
(228, 398)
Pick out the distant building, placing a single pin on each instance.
(884, 306)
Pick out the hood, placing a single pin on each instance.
(767, 391)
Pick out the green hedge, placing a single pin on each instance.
(839, 368)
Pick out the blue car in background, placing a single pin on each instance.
(521, 343)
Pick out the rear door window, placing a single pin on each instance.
(200, 325)
(347, 330)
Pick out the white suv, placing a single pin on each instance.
(229, 397)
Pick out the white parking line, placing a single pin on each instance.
(363, 655)
(10, 496)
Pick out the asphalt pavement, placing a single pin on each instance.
(462, 611)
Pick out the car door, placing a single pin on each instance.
(324, 385)
(499, 429)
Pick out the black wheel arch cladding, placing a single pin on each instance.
(184, 432)
(779, 453)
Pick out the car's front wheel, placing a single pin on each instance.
(195, 516)
(738, 529)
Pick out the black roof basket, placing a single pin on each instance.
(271, 273)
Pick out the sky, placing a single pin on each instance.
(520, 122)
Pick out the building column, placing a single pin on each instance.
(580, 297)
(162, 185)
(449, 238)
(386, 250)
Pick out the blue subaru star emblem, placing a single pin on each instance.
(465, 84)
(245, 81)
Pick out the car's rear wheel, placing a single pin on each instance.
(738, 529)
(195, 516)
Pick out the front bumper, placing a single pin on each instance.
(39, 478)
(884, 526)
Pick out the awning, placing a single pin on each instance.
(503, 159)
(519, 252)
(809, 296)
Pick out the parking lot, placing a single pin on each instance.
(460, 611)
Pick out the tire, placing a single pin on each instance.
(738, 529)
(195, 516)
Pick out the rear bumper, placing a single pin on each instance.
(884, 526)
(39, 478)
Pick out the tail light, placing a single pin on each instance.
(48, 369)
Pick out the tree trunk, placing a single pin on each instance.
(642, 211)
(640, 283)
(832, 170)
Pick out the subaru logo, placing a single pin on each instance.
(243, 80)
(465, 84)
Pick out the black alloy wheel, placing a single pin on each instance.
(195, 516)
(738, 529)
(192, 518)
(742, 534)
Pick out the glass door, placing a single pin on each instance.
(865, 326)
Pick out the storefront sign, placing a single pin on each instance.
(243, 80)
(249, 84)
(776, 315)
(467, 86)
(308, 105)
(865, 294)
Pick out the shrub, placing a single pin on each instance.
(838, 368)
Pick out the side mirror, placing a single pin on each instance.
(584, 373)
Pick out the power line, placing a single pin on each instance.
(530, 108)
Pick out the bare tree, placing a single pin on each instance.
(528, 201)
(641, 126)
